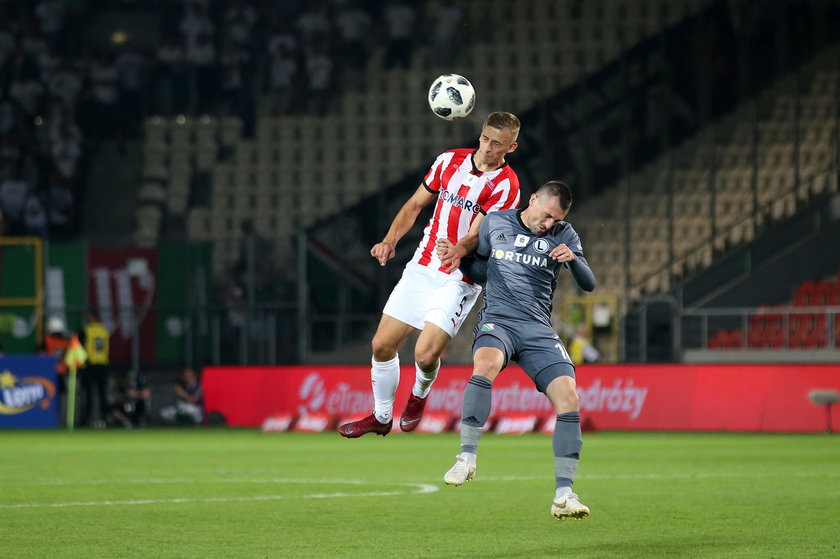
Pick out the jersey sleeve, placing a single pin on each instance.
(432, 179)
(574, 242)
(505, 196)
(579, 267)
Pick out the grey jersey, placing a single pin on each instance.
(520, 276)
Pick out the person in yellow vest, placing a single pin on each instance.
(97, 341)
(581, 349)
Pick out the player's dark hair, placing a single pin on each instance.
(503, 121)
(559, 189)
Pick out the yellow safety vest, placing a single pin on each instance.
(97, 342)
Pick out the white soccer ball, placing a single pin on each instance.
(451, 96)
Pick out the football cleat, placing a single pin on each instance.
(369, 424)
(460, 473)
(413, 413)
(568, 506)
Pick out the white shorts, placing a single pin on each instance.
(424, 295)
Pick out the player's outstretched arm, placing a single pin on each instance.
(386, 249)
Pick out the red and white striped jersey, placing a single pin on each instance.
(463, 192)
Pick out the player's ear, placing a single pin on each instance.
(513, 147)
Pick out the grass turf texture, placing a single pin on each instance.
(241, 493)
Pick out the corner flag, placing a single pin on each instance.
(74, 357)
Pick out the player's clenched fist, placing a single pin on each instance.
(383, 252)
(449, 256)
(562, 253)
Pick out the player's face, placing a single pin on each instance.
(542, 213)
(493, 145)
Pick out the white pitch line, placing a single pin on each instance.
(166, 481)
(421, 488)
(697, 475)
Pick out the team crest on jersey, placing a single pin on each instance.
(488, 327)
(521, 241)
(541, 246)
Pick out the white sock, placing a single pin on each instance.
(384, 377)
(470, 456)
(423, 381)
(562, 492)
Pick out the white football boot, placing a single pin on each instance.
(461, 472)
(568, 506)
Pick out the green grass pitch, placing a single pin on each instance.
(241, 493)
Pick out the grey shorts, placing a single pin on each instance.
(536, 347)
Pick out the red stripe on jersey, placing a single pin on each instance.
(432, 228)
(454, 165)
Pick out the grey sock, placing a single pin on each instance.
(567, 443)
(474, 411)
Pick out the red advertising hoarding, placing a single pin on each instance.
(626, 397)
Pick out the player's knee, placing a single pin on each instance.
(567, 401)
(382, 350)
(427, 360)
(564, 397)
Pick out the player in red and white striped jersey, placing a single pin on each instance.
(433, 296)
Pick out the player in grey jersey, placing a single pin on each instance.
(519, 254)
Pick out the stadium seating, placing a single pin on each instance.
(787, 328)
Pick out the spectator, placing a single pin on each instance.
(132, 402)
(446, 18)
(26, 89)
(14, 191)
(282, 69)
(319, 69)
(34, 215)
(66, 150)
(314, 26)
(400, 18)
(50, 14)
(65, 83)
(354, 26)
(190, 405)
(196, 26)
(131, 67)
(62, 214)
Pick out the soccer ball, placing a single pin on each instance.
(451, 97)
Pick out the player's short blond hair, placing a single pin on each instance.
(504, 121)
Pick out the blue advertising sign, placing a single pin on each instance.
(28, 395)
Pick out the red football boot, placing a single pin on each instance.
(364, 426)
(413, 413)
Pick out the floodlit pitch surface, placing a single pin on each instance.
(241, 493)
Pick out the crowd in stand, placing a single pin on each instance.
(62, 93)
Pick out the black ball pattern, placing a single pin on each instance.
(454, 96)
